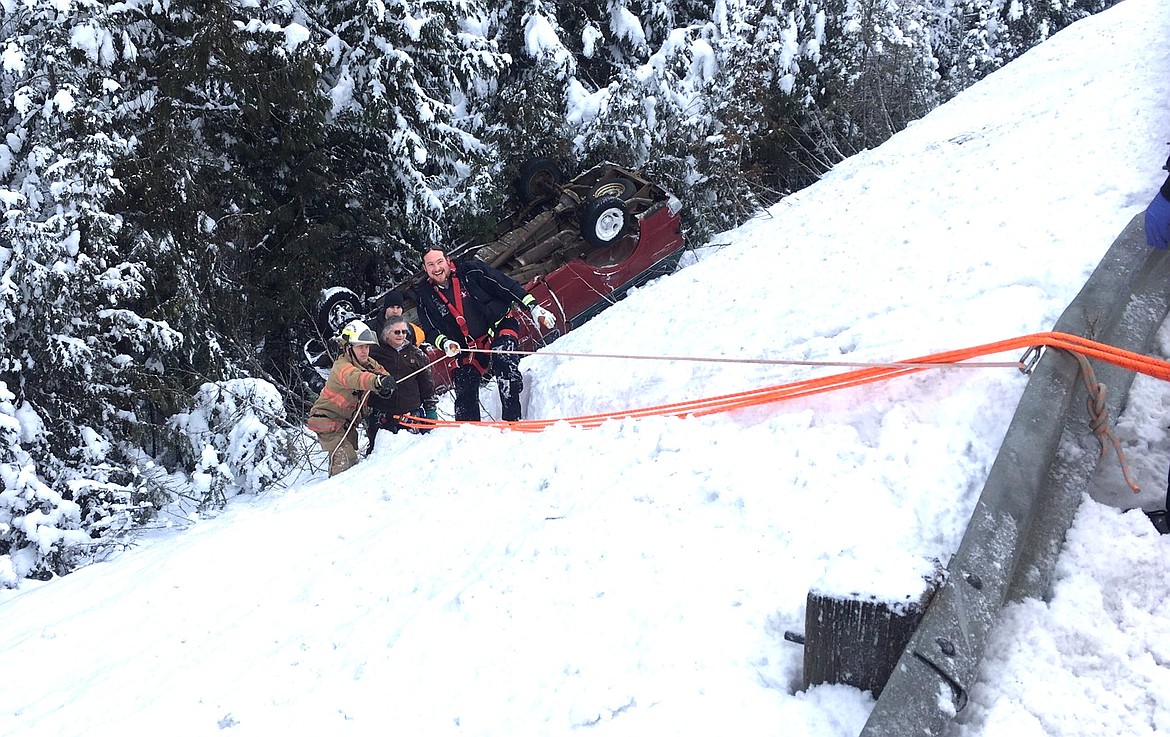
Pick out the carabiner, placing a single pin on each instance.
(1030, 358)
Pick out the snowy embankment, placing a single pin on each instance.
(638, 578)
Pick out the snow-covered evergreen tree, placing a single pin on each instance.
(526, 111)
(77, 353)
(683, 100)
(405, 80)
(40, 530)
(877, 71)
(990, 33)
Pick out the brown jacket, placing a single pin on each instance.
(343, 392)
(411, 394)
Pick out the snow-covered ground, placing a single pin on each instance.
(637, 579)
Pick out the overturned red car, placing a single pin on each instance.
(576, 246)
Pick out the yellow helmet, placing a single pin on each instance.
(357, 332)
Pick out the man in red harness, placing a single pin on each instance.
(465, 304)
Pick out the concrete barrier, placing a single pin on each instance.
(1031, 495)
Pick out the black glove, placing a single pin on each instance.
(386, 386)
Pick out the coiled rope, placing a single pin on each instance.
(1099, 418)
(1081, 348)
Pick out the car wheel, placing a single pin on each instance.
(539, 178)
(336, 307)
(618, 187)
(604, 221)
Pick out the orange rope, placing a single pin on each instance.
(878, 372)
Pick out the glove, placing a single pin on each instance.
(430, 413)
(386, 386)
(451, 348)
(543, 317)
(1158, 222)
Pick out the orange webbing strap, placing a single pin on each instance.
(1073, 343)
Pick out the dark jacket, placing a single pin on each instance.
(411, 394)
(488, 295)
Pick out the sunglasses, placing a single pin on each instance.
(398, 332)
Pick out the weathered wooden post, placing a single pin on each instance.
(858, 619)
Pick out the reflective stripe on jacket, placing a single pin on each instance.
(343, 392)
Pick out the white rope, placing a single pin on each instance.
(352, 422)
(419, 371)
(759, 361)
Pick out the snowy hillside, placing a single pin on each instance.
(637, 579)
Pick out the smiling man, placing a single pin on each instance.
(465, 304)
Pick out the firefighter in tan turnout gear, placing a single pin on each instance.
(353, 376)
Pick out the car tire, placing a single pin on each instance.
(604, 221)
(336, 307)
(539, 178)
(619, 187)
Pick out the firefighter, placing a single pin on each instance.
(354, 375)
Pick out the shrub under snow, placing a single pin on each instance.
(238, 438)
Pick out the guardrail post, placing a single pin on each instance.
(855, 630)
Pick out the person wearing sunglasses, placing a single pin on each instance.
(414, 394)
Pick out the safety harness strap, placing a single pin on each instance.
(456, 308)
